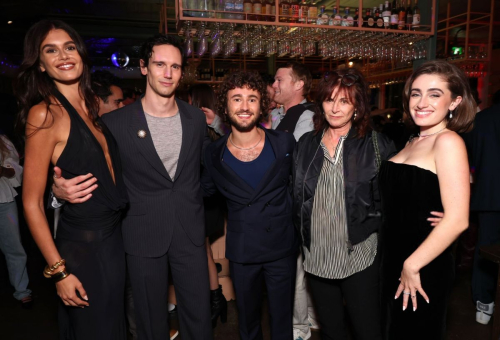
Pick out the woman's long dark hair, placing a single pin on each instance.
(33, 86)
(202, 95)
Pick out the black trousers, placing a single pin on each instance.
(149, 280)
(484, 272)
(361, 295)
(279, 278)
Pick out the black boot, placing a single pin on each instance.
(219, 306)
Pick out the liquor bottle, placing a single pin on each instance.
(356, 18)
(257, 9)
(284, 10)
(273, 10)
(332, 17)
(416, 16)
(294, 11)
(370, 22)
(248, 9)
(380, 20)
(322, 16)
(337, 19)
(402, 16)
(347, 19)
(394, 16)
(303, 12)
(266, 10)
(365, 17)
(238, 7)
(409, 16)
(386, 15)
(229, 7)
(376, 15)
(312, 14)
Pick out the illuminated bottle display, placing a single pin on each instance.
(303, 12)
(322, 16)
(312, 14)
(416, 16)
(284, 10)
(401, 17)
(386, 15)
(394, 16)
(294, 11)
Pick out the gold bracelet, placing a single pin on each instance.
(57, 264)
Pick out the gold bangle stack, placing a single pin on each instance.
(48, 272)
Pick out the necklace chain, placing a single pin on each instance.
(245, 149)
(430, 134)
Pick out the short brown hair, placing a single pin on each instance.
(458, 84)
(300, 72)
(250, 79)
(357, 92)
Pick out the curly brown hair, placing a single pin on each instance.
(249, 79)
(356, 90)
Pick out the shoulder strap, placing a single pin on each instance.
(377, 150)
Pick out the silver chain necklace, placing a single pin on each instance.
(435, 133)
(245, 149)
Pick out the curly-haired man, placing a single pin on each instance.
(251, 167)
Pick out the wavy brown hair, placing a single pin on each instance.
(32, 86)
(357, 93)
(458, 84)
(250, 79)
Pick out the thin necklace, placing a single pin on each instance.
(430, 134)
(250, 148)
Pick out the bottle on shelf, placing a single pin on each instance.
(257, 9)
(312, 14)
(273, 10)
(356, 18)
(322, 16)
(394, 16)
(238, 7)
(248, 9)
(370, 22)
(264, 10)
(402, 16)
(365, 17)
(347, 19)
(332, 17)
(380, 19)
(229, 7)
(337, 19)
(376, 16)
(416, 16)
(294, 11)
(409, 16)
(284, 10)
(303, 12)
(386, 15)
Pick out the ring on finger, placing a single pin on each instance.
(406, 293)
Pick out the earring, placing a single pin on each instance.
(355, 114)
(451, 114)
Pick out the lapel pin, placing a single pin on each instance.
(141, 134)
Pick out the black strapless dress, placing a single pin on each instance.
(89, 236)
(409, 194)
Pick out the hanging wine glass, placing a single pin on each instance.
(188, 40)
(202, 41)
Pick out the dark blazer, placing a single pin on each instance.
(158, 204)
(483, 146)
(259, 226)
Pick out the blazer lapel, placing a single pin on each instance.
(145, 145)
(187, 135)
(225, 170)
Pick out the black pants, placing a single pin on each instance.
(361, 295)
(484, 272)
(279, 278)
(149, 280)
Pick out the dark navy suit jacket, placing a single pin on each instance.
(259, 226)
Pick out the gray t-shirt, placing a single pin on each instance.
(166, 133)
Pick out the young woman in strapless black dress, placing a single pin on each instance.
(59, 112)
(430, 174)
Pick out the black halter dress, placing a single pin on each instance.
(89, 236)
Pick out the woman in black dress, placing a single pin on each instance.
(59, 112)
(430, 174)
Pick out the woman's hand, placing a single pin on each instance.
(66, 289)
(209, 114)
(435, 220)
(410, 285)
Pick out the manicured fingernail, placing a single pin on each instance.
(86, 298)
(395, 297)
(414, 308)
(427, 301)
(404, 308)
